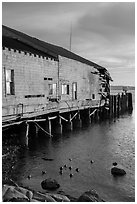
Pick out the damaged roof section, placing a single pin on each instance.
(18, 40)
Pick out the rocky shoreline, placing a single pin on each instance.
(12, 192)
(17, 193)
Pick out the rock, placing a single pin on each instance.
(115, 171)
(18, 200)
(60, 198)
(29, 194)
(90, 196)
(25, 191)
(33, 200)
(72, 199)
(5, 188)
(43, 197)
(50, 184)
(91, 161)
(48, 198)
(13, 193)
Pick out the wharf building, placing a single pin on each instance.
(44, 81)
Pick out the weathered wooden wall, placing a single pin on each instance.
(31, 74)
(73, 71)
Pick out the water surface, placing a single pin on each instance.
(105, 143)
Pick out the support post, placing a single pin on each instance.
(115, 105)
(37, 130)
(69, 125)
(59, 126)
(111, 106)
(80, 121)
(24, 134)
(130, 105)
(118, 104)
(122, 100)
(89, 115)
(77, 122)
(49, 126)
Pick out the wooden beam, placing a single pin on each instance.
(63, 118)
(74, 116)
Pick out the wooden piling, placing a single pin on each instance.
(115, 105)
(33, 129)
(37, 130)
(118, 104)
(24, 140)
(69, 125)
(121, 103)
(129, 99)
(77, 122)
(89, 117)
(49, 121)
(111, 106)
(59, 126)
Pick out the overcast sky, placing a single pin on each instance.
(101, 32)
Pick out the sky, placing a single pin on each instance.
(102, 32)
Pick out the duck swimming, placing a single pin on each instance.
(70, 167)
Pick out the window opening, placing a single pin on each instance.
(9, 82)
(65, 89)
(53, 89)
(74, 91)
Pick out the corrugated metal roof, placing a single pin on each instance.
(44, 47)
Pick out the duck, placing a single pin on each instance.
(77, 169)
(44, 172)
(91, 161)
(61, 172)
(71, 175)
(29, 176)
(65, 165)
(61, 168)
(70, 167)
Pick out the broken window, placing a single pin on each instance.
(53, 89)
(74, 90)
(65, 89)
(9, 82)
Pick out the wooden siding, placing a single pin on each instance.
(74, 71)
(31, 74)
